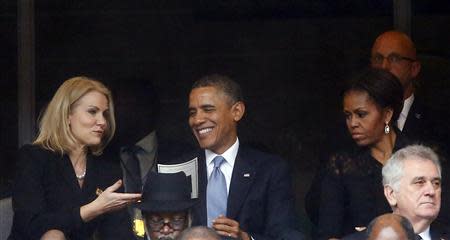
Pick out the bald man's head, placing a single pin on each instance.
(394, 51)
(199, 233)
(390, 227)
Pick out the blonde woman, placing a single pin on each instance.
(63, 190)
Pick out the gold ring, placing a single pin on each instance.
(98, 191)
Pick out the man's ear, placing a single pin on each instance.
(415, 69)
(390, 195)
(238, 110)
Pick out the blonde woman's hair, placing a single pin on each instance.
(54, 130)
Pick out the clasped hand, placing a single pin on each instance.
(229, 228)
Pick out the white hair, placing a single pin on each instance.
(393, 169)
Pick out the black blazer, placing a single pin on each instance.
(46, 195)
(418, 124)
(351, 191)
(260, 196)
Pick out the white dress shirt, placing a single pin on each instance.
(404, 114)
(425, 235)
(227, 166)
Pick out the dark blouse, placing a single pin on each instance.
(46, 195)
(351, 192)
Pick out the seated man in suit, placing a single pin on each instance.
(199, 233)
(244, 194)
(166, 205)
(390, 227)
(412, 186)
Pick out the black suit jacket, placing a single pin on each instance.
(418, 124)
(46, 195)
(427, 124)
(260, 196)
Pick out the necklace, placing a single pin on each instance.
(81, 176)
(75, 163)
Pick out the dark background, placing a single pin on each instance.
(291, 58)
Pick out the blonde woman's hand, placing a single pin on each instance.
(108, 201)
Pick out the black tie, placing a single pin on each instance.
(418, 237)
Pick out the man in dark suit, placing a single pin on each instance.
(244, 194)
(412, 186)
(395, 52)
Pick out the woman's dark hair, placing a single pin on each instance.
(383, 88)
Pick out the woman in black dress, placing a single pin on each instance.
(62, 189)
(351, 190)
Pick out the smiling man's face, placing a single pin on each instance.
(419, 193)
(213, 118)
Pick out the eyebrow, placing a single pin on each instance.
(424, 178)
(203, 106)
(96, 107)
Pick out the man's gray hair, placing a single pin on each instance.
(393, 169)
(199, 232)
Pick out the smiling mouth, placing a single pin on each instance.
(204, 131)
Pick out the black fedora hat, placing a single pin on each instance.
(166, 192)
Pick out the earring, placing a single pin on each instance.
(387, 129)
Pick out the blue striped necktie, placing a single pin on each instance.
(216, 192)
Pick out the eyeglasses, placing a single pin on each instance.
(156, 224)
(392, 58)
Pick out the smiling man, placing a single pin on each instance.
(412, 186)
(244, 194)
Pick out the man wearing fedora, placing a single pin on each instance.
(166, 205)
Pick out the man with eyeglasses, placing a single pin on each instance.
(395, 52)
(166, 205)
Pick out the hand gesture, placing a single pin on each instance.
(108, 201)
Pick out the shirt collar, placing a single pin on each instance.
(426, 234)
(229, 155)
(407, 105)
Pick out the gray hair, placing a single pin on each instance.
(393, 169)
(199, 232)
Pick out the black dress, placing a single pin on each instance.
(46, 195)
(351, 192)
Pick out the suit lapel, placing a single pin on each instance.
(414, 118)
(244, 173)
